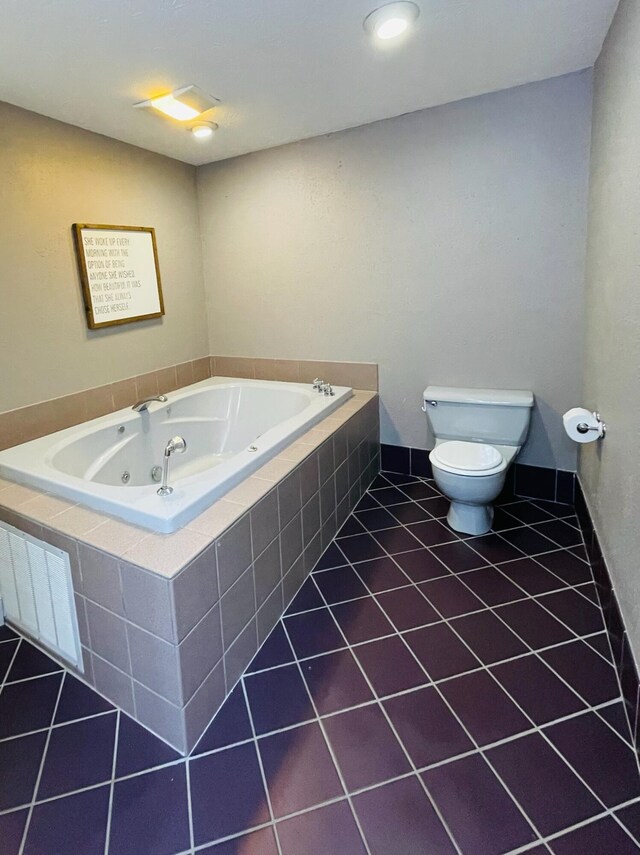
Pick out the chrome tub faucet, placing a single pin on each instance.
(142, 406)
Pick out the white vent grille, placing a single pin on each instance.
(37, 592)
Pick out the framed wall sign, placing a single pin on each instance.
(119, 274)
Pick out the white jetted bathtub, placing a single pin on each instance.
(231, 428)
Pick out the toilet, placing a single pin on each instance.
(478, 434)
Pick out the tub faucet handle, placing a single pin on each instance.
(327, 390)
(318, 384)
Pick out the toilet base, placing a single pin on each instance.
(470, 519)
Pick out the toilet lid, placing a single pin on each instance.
(467, 456)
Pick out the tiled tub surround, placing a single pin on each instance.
(169, 622)
(524, 480)
(230, 427)
(32, 422)
(423, 693)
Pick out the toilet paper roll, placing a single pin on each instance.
(578, 416)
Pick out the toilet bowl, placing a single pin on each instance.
(471, 475)
(478, 434)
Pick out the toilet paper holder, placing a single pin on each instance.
(601, 427)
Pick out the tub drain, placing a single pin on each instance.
(126, 477)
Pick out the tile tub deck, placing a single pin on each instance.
(169, 622)
(424, 692)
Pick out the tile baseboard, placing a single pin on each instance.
(529, 482)
(358, 375)
(624, 661)
(36, 420)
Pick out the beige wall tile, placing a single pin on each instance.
(316, 435)
(147, 385)
(98, 401)
(287, 370)
(234, 366)
(167, 553)
(23, 425)
(217, 518)
(18, 426)
(295, 452)
(201, 369)
(70, 410)
(308, 370)
(166, 379)
(248, 492)
(274, 469)
(184, 374)
(264, 369)
(124, 393)
(77, 521)
(358, 375)
(114, 536)
(45, 507)
(16, 495)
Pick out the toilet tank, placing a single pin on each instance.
(495, 416)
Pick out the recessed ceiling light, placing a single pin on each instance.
(183, 104)
(390, 21)
(204, 129)
(170, 106)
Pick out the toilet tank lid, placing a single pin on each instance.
(495, 397)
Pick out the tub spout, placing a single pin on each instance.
(143, 405)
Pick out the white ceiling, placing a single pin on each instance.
(283, 69)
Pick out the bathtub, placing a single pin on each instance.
(231, 428)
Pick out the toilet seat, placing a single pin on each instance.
(468, 458)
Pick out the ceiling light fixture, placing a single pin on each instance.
(390, 21)
(202, 130)
(183, 104)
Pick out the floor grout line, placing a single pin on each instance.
(58, 725)
(378, 700)
(332, 755)
(13, 659)
(265, 785)
(41, 768)
(380, 706)
(187, 775)
(407, 754)
(375, 701)
(405, 632)
(112, 784)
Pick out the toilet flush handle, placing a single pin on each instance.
(431, 404)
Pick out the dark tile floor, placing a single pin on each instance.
(425, 693)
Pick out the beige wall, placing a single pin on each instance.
(52, 175)
(447, 245)
(610, 471)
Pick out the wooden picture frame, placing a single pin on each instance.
(119, 273)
